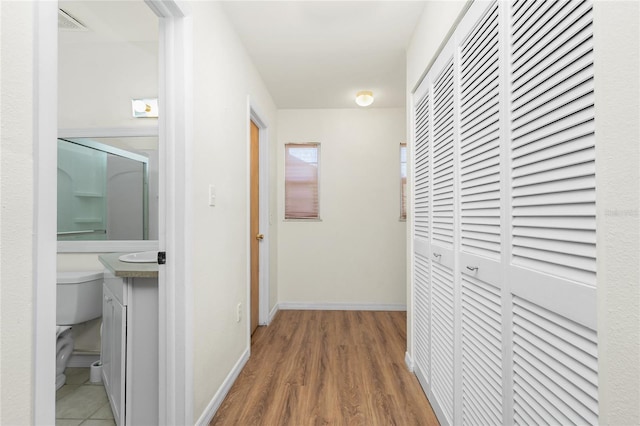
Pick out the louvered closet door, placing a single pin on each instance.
(421, 208)
(480, 128)
(504, 261)
(552, 265)
(443, 229)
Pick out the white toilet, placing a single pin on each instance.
(79, 299)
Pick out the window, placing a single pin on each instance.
(403, 181)
(301, 181)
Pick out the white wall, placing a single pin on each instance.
(616, 60)
(223, 78)
(96, 82)
(356, 254)
(617, 89)
(16, 213)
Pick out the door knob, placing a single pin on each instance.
(260, 237)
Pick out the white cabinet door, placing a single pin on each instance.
(114, 319)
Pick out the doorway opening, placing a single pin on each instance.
(107, 185)
(175, 89)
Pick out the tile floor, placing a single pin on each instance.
(80, 402)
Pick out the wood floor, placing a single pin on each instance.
(328, 368)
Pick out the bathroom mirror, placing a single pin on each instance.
(107, 193)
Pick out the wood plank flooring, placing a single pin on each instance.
(328, 368)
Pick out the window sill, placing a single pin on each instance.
(317, 219)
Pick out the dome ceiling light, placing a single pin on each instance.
(364, 98)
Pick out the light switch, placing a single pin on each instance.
(212, 195)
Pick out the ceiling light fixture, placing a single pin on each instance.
(364, 98)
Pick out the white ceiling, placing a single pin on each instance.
(310, 54)
(318, 54)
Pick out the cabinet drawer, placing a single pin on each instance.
(116, 286)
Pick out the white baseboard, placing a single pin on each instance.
(217, 399)
(83, 360)
(339, 306)
(409, 361)
(273, 313)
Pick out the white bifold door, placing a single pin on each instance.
(503, 213)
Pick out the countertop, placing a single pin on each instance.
(128, 270)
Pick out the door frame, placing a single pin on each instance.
(175, 234)
(254, 114)
(175, 237)
(45, 154)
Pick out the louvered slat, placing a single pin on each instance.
(552, 134)
(421, 169)
(481, 353)
(555, 367)
(480, 138)
(443, 167)
(442, 337)
(422, 311)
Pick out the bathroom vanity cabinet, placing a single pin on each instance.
(130, 345)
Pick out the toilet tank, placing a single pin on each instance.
(79, 297)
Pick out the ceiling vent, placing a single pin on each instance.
(67, 22)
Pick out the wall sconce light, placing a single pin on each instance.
(364, 98)
(144, 108)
